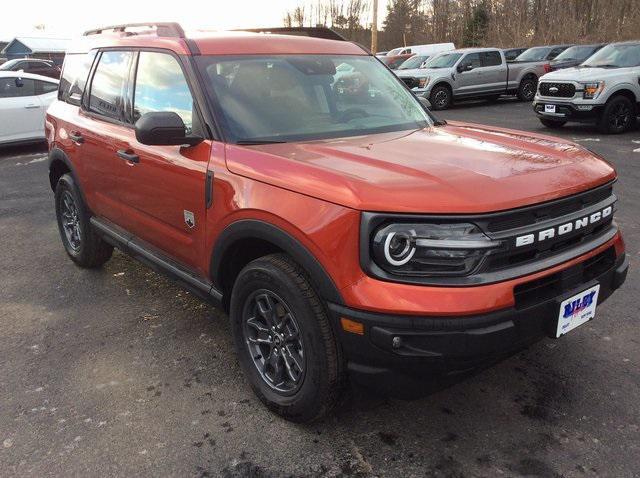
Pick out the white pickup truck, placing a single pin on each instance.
(604, 90)
(473, 73)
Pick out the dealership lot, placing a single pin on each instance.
(120, 372)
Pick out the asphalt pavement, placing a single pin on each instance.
(119, 372)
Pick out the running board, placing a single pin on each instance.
(149, 255)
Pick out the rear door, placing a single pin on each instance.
(19, 102)
(163, 191)
(100, 119)
(494, 72)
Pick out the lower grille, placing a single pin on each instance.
(558, 90)
(537, 291)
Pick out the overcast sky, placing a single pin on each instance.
(72, 18)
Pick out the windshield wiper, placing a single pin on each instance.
(250, 142)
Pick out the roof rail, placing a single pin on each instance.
(163, 29)
(315, 32)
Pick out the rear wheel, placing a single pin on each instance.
(82, 244)
(553, 124)
(284, 340)
(440, 98)
(618, 116)
(527, 88)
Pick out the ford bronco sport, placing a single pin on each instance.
(298, 183)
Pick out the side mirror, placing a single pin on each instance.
(163, 128)
(465, 67)
(425, 102)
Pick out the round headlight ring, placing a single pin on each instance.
(406, 249)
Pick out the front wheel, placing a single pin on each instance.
(618, 116)
(440, 98)
(553, 124)
(284, 340)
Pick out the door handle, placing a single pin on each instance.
(76, 137)
(31, 106)
(127, 156)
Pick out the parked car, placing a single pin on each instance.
(33, 66)
(346, 231)
(426, 49)
(393, 62)
(414, 63)
(541, 53)
(24, 99)
(573, 56)
(604, 90)
(472, 73)
(511, 54)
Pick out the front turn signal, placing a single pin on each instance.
(352, 326)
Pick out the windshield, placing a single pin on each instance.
(413, 62)
(575, 53)
(616, 56)
(304, 97)
(534, 54)
(446, 60)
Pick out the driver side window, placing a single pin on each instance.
(472, 59)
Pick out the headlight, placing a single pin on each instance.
(423, 82)
(430, 249)
(592, 89)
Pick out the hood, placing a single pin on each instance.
(422, 72)
(581, 73)
(559, 64)
(457, 168)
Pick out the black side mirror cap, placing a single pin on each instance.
(163, 128)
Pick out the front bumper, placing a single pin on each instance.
(567, 111)
(396, 353)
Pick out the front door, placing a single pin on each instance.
(19, 102)
(469, 75)
(163, 191)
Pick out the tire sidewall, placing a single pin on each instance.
(67, 184)
(604, 121)
(522, 88)
(432, 97)
(263, 275)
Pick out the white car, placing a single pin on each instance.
(24, 99)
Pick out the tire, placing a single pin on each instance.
(527, 88)
(276, 283)
(553, 124)
(80, 241)
(440, 98)
(618, 116)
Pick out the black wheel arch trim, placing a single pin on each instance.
(257, 229)
(57, 154)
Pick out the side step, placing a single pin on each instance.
(159, 262)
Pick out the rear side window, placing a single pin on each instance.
(491, 58)
(107, 94)
(44, 87)
(161, 86)
(13, 87)
(74, 76)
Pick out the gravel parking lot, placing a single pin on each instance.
(119, 372)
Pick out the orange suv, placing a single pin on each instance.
(291, 178)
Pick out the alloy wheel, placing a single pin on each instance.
(71, 221)
(620, 117)
(274, 341)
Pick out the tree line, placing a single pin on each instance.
(499, 23)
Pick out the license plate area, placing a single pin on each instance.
(576, 310)
(550, 109)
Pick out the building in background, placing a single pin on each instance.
(36, 47)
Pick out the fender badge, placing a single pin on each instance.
(189, 219)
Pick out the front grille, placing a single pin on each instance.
(546, 288)
(545, 211)
(560, 90)
(411, 82)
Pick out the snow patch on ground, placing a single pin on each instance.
(34, 160)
